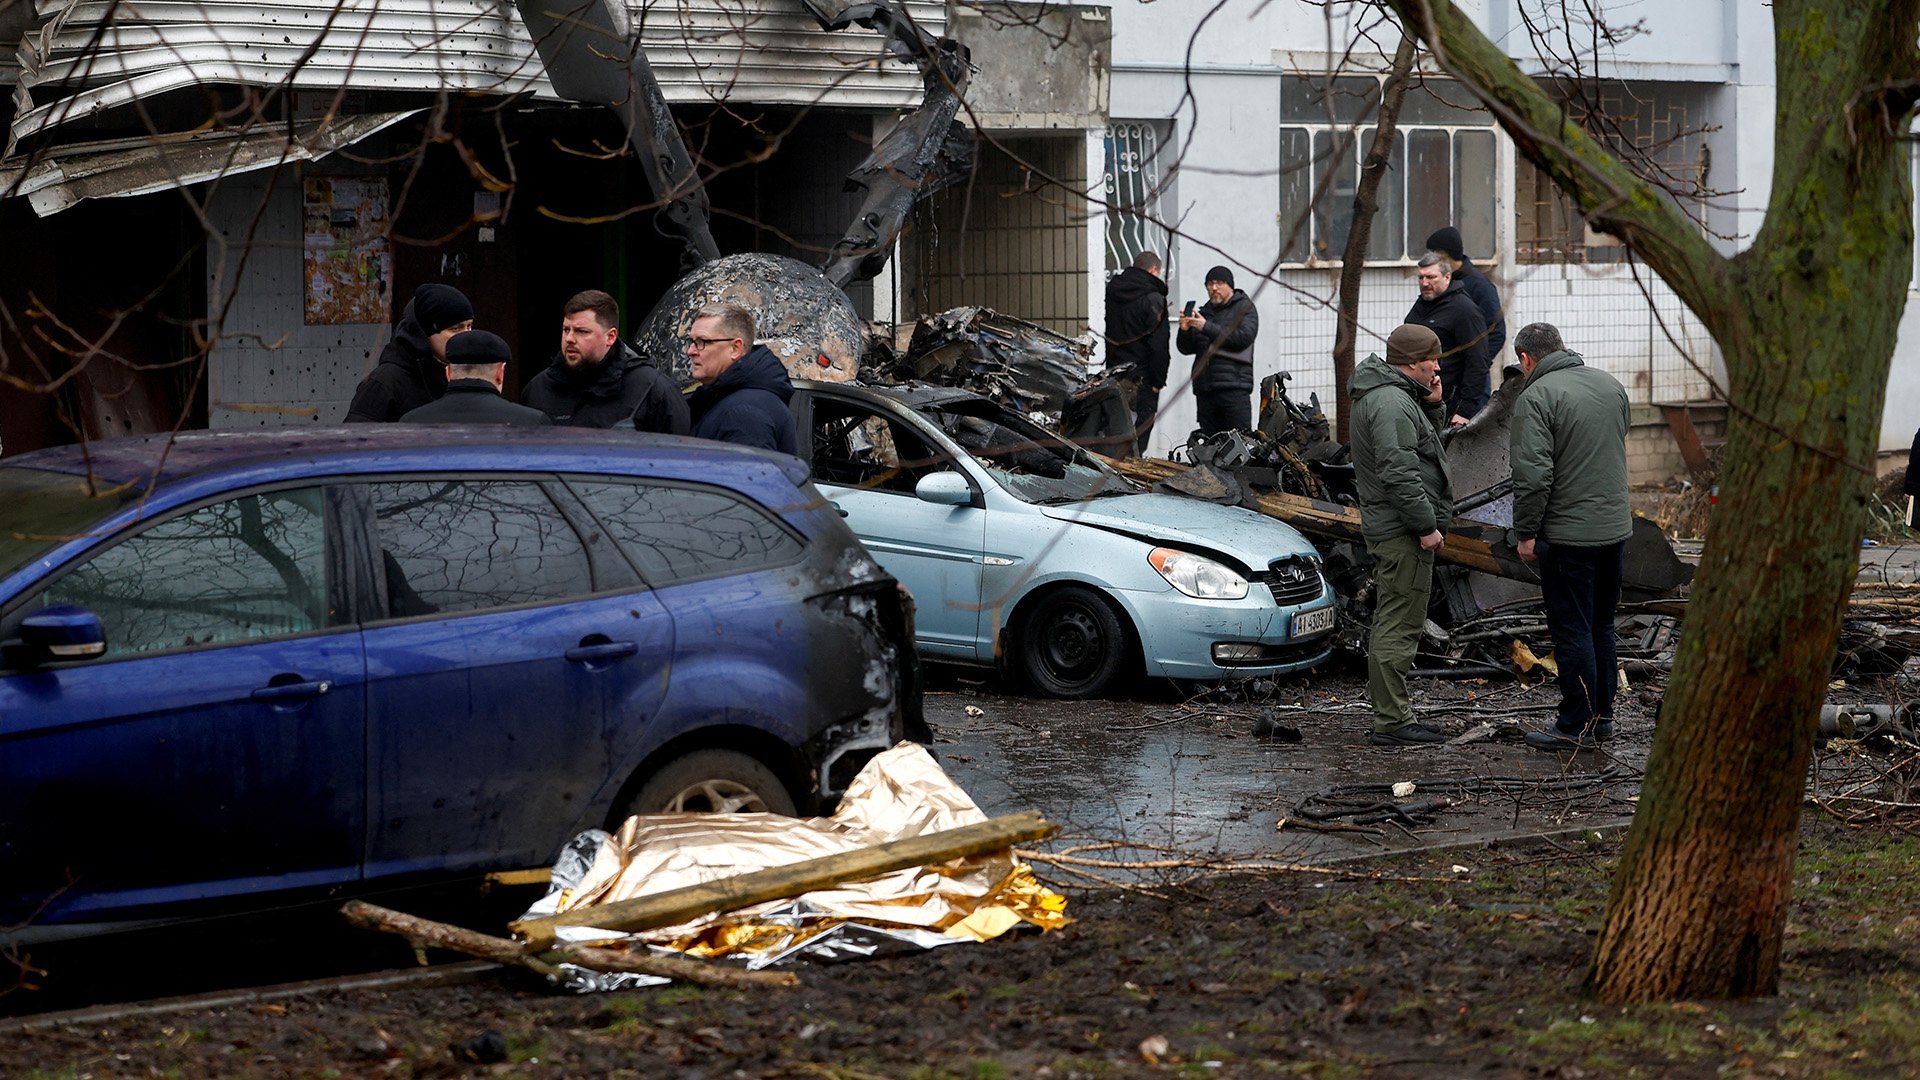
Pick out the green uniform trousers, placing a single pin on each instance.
(1402, 576)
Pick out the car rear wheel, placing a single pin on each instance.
(713, 782)
(1074, 644)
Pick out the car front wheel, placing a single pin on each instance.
(1074, 644)
(713, 782)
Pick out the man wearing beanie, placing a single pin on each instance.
(1219, 337)
(412, 368)
(476, 369)
(598, 381)
(1446, 241)
(1405, 508)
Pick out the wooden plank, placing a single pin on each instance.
(1473, 544)
(785, 882)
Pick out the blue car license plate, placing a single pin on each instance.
(1309, 623)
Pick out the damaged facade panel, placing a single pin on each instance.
(87, 58)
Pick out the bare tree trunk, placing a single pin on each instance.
(1366, 201)
(1806, 318)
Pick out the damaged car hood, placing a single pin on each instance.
(1176, 521)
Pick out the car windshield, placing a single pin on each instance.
(43, 510)
(1034, 464)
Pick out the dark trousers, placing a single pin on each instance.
(1223, 410)
(1146, 406)
(1581, 586)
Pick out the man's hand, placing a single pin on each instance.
(1458, 421)
(1526, 551)
(1434, 390)
(1433, 541)
(1195, 321)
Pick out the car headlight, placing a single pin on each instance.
(1198, 576)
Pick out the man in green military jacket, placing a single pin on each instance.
(1405, 508)
(1570, 510)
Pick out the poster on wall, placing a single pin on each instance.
(348, 266)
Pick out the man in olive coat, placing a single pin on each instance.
(1405, 508)
(1570, 511)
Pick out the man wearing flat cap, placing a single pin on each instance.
(1219, 337)
(412, 368)
(1401, 473)
(476, 369)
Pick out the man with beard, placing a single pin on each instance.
(1137, 335)
(1446, 309)
(599, 381)
(1219, 337)
(412, 369)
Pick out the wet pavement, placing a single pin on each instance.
(1193, 780)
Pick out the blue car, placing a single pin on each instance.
(1024, 551)
(241, 668)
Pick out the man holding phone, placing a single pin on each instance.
(1400, 471)
(1219, 336)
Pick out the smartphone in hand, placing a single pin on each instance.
(1188, 310)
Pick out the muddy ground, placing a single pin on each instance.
(1462, 960)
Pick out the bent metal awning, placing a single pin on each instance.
(62, 176)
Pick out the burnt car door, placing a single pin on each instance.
(215, 750)
(505, 625)
(870, 464)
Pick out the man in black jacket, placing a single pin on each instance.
(598, 381)
(476, 368)
(1446, 241)
(1219, 337)
(412, 368)
(1445, 308)
(1137, 335)
(744, 388)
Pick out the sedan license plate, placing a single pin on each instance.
(1308, 623)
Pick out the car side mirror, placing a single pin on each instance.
(61, 632)
(945, 488)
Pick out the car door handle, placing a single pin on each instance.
(606, 650)
(293, 691)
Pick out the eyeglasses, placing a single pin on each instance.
(703, 342)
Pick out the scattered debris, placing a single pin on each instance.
(1012, 361)
(907, 859)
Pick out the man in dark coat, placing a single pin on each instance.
(1445, 308)
(1137, 335)
(412, 368)
(743, 391)
(476, 368)
(1446, 241)
(1912, 484)
(598, 381)
(1219, 337)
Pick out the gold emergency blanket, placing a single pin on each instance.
(900, 794)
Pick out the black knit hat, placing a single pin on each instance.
(477, 347)
(436, 307)
(1221, 274)
(1446, 238)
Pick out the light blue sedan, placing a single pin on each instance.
(1025, 552)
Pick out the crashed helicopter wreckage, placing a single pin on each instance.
(590, 59)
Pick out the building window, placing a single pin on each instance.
(1654, 128)
(1440, 170)
(1134, 188)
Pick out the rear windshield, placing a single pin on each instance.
(41, 510)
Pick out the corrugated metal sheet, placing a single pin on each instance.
(90, 55)
(122, 167)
